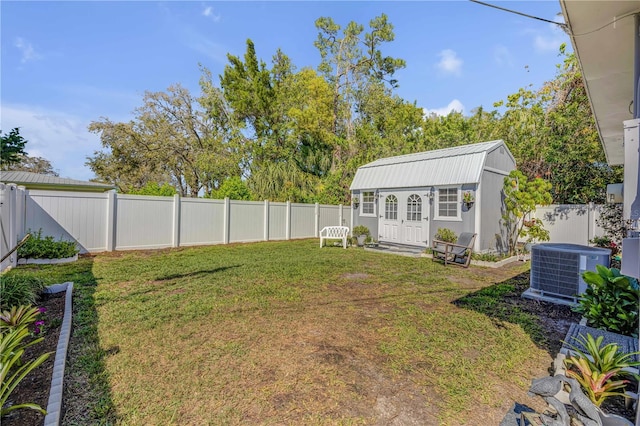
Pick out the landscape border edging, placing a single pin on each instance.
(33, 261)
(54, 405)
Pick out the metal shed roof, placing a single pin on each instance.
(449, 166)
(39, 181)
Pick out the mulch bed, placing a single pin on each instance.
(35, 386)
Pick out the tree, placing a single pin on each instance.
(551, 133)
(258, 104)
(233, 188)
(154, 188)
(350, 62)
(521, 196)
(172, 139)
(11, 147)
(38, 165)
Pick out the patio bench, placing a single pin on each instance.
(334, 233)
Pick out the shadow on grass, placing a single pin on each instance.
(546, 323)
(87, 395)
(196, 273)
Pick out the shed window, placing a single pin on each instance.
(414, 208)
(368, 203)
(391, 208)
(448, 204)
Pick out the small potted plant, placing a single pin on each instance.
(361, 232)
(468, 198)
(356, 202)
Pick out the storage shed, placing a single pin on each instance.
(406, 199)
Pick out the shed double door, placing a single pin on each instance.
(403, 217)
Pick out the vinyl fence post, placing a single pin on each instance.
(176, 221)
(226, 220)
(317, 221)
(111, 220)
(287, 221)
(266, 220)
(13, 229)
(21, 211)
(340, 214)
(590, 222)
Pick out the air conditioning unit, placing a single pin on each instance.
(556, 270)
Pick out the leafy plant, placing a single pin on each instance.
(13, 369)
(597, 385)
(446, 235)
(603, 358)
(18, 290)
(467, 197)
(610, 220)
(361, 230)
(521, 196)
(610, 301)
(597, 367)
(18, 315)
(486, 257)
(38, 247)
(605, 242)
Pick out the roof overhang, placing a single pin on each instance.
(602, 34)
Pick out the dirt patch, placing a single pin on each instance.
(355, 276)
(34, 388)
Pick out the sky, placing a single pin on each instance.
(66, 64)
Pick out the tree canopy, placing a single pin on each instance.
(270, 130)
(11, 147)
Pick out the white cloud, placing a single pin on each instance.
(450, 63)
(454, 105)
(210, 13)
(502, 56)
(61, 138)
(201, 44)
(28, 52)
(549, 39)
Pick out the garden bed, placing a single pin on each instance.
(36, 385)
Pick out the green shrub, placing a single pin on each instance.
(361, 230)
(154, 188)
(485, 257)
(38, 247)
(18, 290)
(605, 242)
(610, 301)
(446, 235)
(13, 341)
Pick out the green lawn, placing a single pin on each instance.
(288, 333)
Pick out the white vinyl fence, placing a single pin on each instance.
(109, 221)
(570, 223)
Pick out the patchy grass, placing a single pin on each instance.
(288, 333)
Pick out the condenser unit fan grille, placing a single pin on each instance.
(555, 272)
